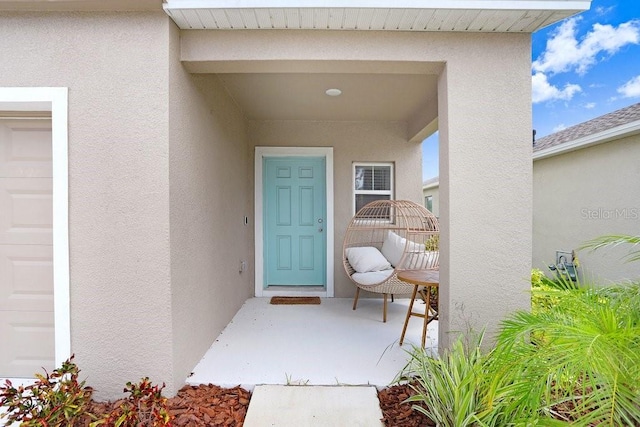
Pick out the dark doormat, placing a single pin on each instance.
(294, 300)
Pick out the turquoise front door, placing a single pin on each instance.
(294, 221)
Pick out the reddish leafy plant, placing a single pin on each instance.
(145, 406)
(56, 399)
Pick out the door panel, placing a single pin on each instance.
(284, 206)
(294, 215)
(307, 211)
(26, 248)
(28, 343)
(307, 254)
(26, 205)
(26, 274)
(283, 255)
(26, 148)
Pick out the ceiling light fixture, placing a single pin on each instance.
(333, 92)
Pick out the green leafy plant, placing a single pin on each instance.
(545, 292)
(574, 362)
(449, 389)
(432, 243)
(577, 362)
(56, 399)
(145, 406)
(615, 240)
(542, 295)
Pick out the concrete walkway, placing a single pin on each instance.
(313, 365)
(311, 406)
(327, 344)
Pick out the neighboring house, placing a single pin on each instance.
(431, 195)
(586, 183)
(196, 162)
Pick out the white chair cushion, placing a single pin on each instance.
(421, 260)
(367, 258)
(372, 277)
(393, 247)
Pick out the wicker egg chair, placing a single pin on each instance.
(405, 233)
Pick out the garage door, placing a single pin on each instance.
(26, 251)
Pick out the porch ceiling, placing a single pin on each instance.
(301, 96)
(524, 16)
(295, 90)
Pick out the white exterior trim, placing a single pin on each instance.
(354, 192)
(589, 140)
(399, 4)
(260, 153)
(430, 186)
(54, 99)
(381, 15)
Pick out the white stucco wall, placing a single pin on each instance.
(485, 183)
(352, 142)
(210, 195)
(159, 186)
(585, 194)
(115, 66)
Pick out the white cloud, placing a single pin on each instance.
(590, 105)
(630, 89)
(560, 127)
(601, 10)
(542, 90)
(564, 52)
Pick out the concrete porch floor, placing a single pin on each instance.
(326, 344)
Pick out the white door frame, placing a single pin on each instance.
(260, 154)
(54, 99)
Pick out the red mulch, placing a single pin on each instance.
(201, 406)
(210, 405)
(398, 414)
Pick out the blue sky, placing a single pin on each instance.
(582, 67)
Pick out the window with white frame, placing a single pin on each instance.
(428, 203)
(371, 181)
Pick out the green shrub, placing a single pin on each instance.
(545, 292)
(573, 362)
(433, 243)
(60, 400)
(542, 293)
(577, 361)
(56, 399)
(450, 389)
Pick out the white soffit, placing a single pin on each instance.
(519, 16)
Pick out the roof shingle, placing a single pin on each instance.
(608, 121)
